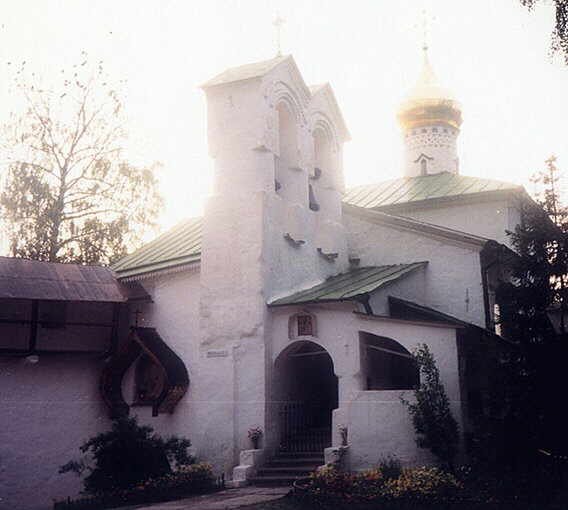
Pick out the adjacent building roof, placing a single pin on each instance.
(351, 285)
(176, 248)
(180, 247)
(408, 310)
(403, 309)
(416, 190)
(32, 279)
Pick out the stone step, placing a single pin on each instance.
(297, 462)
(282, 454)
(285, 471)
(274, 481)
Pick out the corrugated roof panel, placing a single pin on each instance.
(394, 192)
(32, 279)
(180, 244)
(350, 285)
(427, 187)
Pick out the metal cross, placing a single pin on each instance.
(278, 22)
(424, 24)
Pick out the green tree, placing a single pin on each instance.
(69, 194)
(435, 427)
(531, 384)
(559, 43)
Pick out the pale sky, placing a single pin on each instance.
(492, 54)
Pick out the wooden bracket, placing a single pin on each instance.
(295, 243)
(330, 257)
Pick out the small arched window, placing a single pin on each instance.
(423, 166)
(386, 365)
(286, 179)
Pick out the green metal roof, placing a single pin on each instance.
(350, 285)
(179, 246)
(407, 190)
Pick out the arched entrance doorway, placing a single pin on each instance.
(306, 390)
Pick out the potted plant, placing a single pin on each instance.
(254, 435)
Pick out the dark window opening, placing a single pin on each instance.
(424, 166)
(387, 365)
(53, 314)
(314, 206)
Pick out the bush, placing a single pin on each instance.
(428, 483)
(390, 467)
(188, 480)
(435, 427)
(126, 456)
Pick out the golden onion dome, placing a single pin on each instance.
(428, 103)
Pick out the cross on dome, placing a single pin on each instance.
(425, 19)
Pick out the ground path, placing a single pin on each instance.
(222, 500)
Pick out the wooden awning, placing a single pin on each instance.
(175, 376)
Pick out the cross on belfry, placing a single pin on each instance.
(278, 22)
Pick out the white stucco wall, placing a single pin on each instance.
(452, 283)
(378, 422)
(175, 315)
(411, 287)
(49, 409)
(486, 218)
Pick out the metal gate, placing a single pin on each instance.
(303, 427)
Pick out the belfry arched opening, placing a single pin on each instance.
(306, 393)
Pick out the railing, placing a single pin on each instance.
(303, 427)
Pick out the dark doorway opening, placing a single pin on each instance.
(307, 392)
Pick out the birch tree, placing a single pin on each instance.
(69, 194)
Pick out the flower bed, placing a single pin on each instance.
(419, 484)
(186, 481)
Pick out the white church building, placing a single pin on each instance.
(292, 305)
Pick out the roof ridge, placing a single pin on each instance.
(350, 208)
(245, 71)
(422, 188)
(350, 285)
